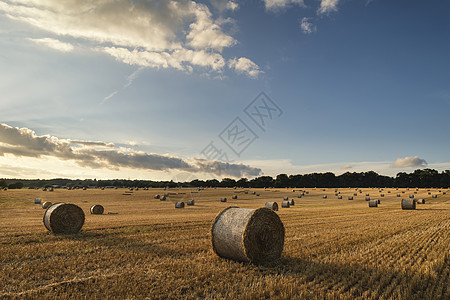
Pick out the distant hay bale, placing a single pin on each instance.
(355, 194)
(257, 194)
(350, 198)
(272, 205)
(411, 196)
(285, 198)
(234, 197)
(285, 204)
(84, 188)
(382, 195)
(389, 192)
(291, 202)
(245, 192)
(339, 197)
(367, 198)
(248, 235)
(299, 196)
(421, 201)
(324, 196)
(398, 195)
(408, 204)
(223, 199)
(434, 196)
(373, 203)
(429, 193)
(306, 192)
(162, 198)
(64, 218)
(37, 201)
(97, 209)
(367, 194)
(378, 201)
(179, 205)
(190, 202)
(157, 196)
(444, 193)
(46, 205)
(253, 193)
(166, 194)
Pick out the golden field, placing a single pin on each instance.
(142, 247)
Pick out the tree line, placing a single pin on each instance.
(421, 178)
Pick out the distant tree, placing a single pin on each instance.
(15, 185)
(3, 183)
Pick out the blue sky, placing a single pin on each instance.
(137, 89)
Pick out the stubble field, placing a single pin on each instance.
(142, 247)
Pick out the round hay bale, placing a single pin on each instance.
(64, 218)
(257, 194)
(350, 198)
(398, 195)
(234, 197)
(162, 198)
(421, 201)
(272, 205)
(389, 192)
(324, 196)
(157, 196)
(429, 193)
(408, 204)
(190, 202)
(434, 196)
(285, 198)
(97, 209)
(223, 199)
(291, 202)
(444, 193)
(373, 203)
(411, 196)
(37, 201)
(382, 195)
(378, 201)
(367, 194)
(367, 198)
(299, 196)
(306, 192)
(166, 194)
(339, 197)
(46, 205)
(355, 194)
(245, 192)
(248, 235)
(285, 204)
(253, 193)
(179, 205)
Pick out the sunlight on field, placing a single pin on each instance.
(143, 247)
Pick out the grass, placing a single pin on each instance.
(334, 249)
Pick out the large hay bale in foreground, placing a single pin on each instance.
(272, 205)
(373, 203)
(46, 205)
(64, 218)
(97, 209)
(408, 204)
(179, 205)
(248, 235)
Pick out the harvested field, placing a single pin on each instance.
(143, 247)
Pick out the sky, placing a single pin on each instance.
(177, 90)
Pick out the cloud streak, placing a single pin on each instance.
(183, 34)
(23, 142)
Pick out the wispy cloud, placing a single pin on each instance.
(409, 162)
(54, 44)
(307, 27)
(328, 6)
(245, 65)
(23, 142)
(183, 35)
(277, 4)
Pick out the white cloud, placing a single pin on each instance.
(276, 4)
(244, 65)
(307, 27)
(409, 162)
(24, 143)
(328, 6)
(54, 44)
(149, 33)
